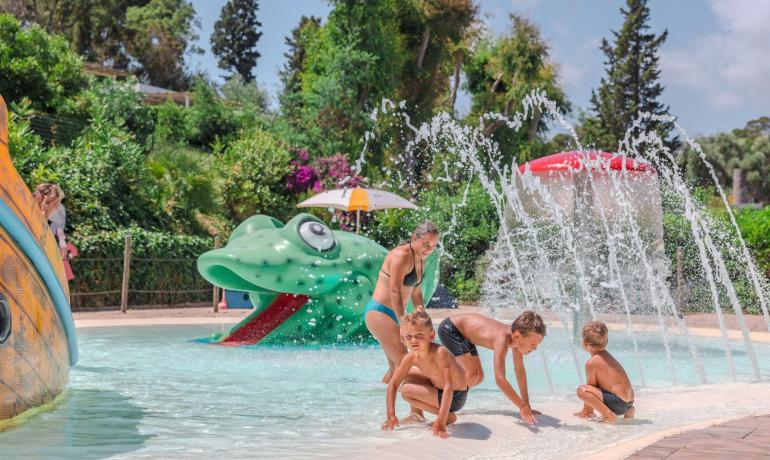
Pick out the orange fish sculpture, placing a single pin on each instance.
(37, 334)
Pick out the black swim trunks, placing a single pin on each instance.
(614, 403)
(458, 399)
(453, 340)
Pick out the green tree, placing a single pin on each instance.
(209, 120)
(246, 94)
(117, 102)
(632, 81)
(366, 51)
(747, 148)
(235, 38)
(291, 74)
(330, 109)
(432, 32)
(500, 73)
(160, 34)
(54, 16)
(146, 37)
(37, 65)
(105, 178)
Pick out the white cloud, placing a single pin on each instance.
(524, 5)
(571, 75)
(579, 64)
(732, 66)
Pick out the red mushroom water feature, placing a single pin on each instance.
(587, 177)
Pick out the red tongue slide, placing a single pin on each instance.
(267, 320)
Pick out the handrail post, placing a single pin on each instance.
(215, 300)
(126, 270)
(679, 278)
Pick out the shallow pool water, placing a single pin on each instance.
(151, 392)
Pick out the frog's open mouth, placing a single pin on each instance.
(262, 321)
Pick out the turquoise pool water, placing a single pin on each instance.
(150, 392)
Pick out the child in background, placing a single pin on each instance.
(443, 391)
(608, 389)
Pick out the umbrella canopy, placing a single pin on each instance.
(357, 199)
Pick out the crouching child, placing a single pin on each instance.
(608, 389)
(440, 388)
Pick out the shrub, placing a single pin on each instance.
(754, 225)
(105, 179)
(186, 186)
(207, 122)
(26, 148)
(171, 126)
(118, 103)
(253, 172)
(755, 228)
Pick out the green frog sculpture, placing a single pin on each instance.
(308, 283)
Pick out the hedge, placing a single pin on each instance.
(99, 267)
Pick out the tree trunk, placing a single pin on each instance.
(496, 83)
(533, 124)
(498, 123)
(492, 90)
(459, 56)
(423, 46)
(363, 97)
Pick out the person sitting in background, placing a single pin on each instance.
(49, 197)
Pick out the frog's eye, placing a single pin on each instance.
(316, 235)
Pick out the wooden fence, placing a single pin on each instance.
(197, 290)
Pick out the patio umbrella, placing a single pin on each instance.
(357, 199)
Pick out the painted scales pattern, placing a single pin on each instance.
(36, 355)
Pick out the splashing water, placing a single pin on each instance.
(583, 238)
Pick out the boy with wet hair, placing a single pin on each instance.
(443, 389)
(608, 389)
(461, 333)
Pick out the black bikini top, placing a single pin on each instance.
(410, 279)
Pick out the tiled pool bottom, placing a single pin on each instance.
(150, 392)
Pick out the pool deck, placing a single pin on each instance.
(490, 435)
(745, 438)
(500, 434)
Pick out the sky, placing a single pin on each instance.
(715, 64)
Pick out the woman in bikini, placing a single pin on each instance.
(399, 280)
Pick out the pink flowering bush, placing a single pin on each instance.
(301, 176)
(325, 173)
(335, 172)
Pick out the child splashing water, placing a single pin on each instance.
(443, 390)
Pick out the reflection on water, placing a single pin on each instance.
(89, 424)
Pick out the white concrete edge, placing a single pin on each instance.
(197, 320)
(90, 323)
(626, 448)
